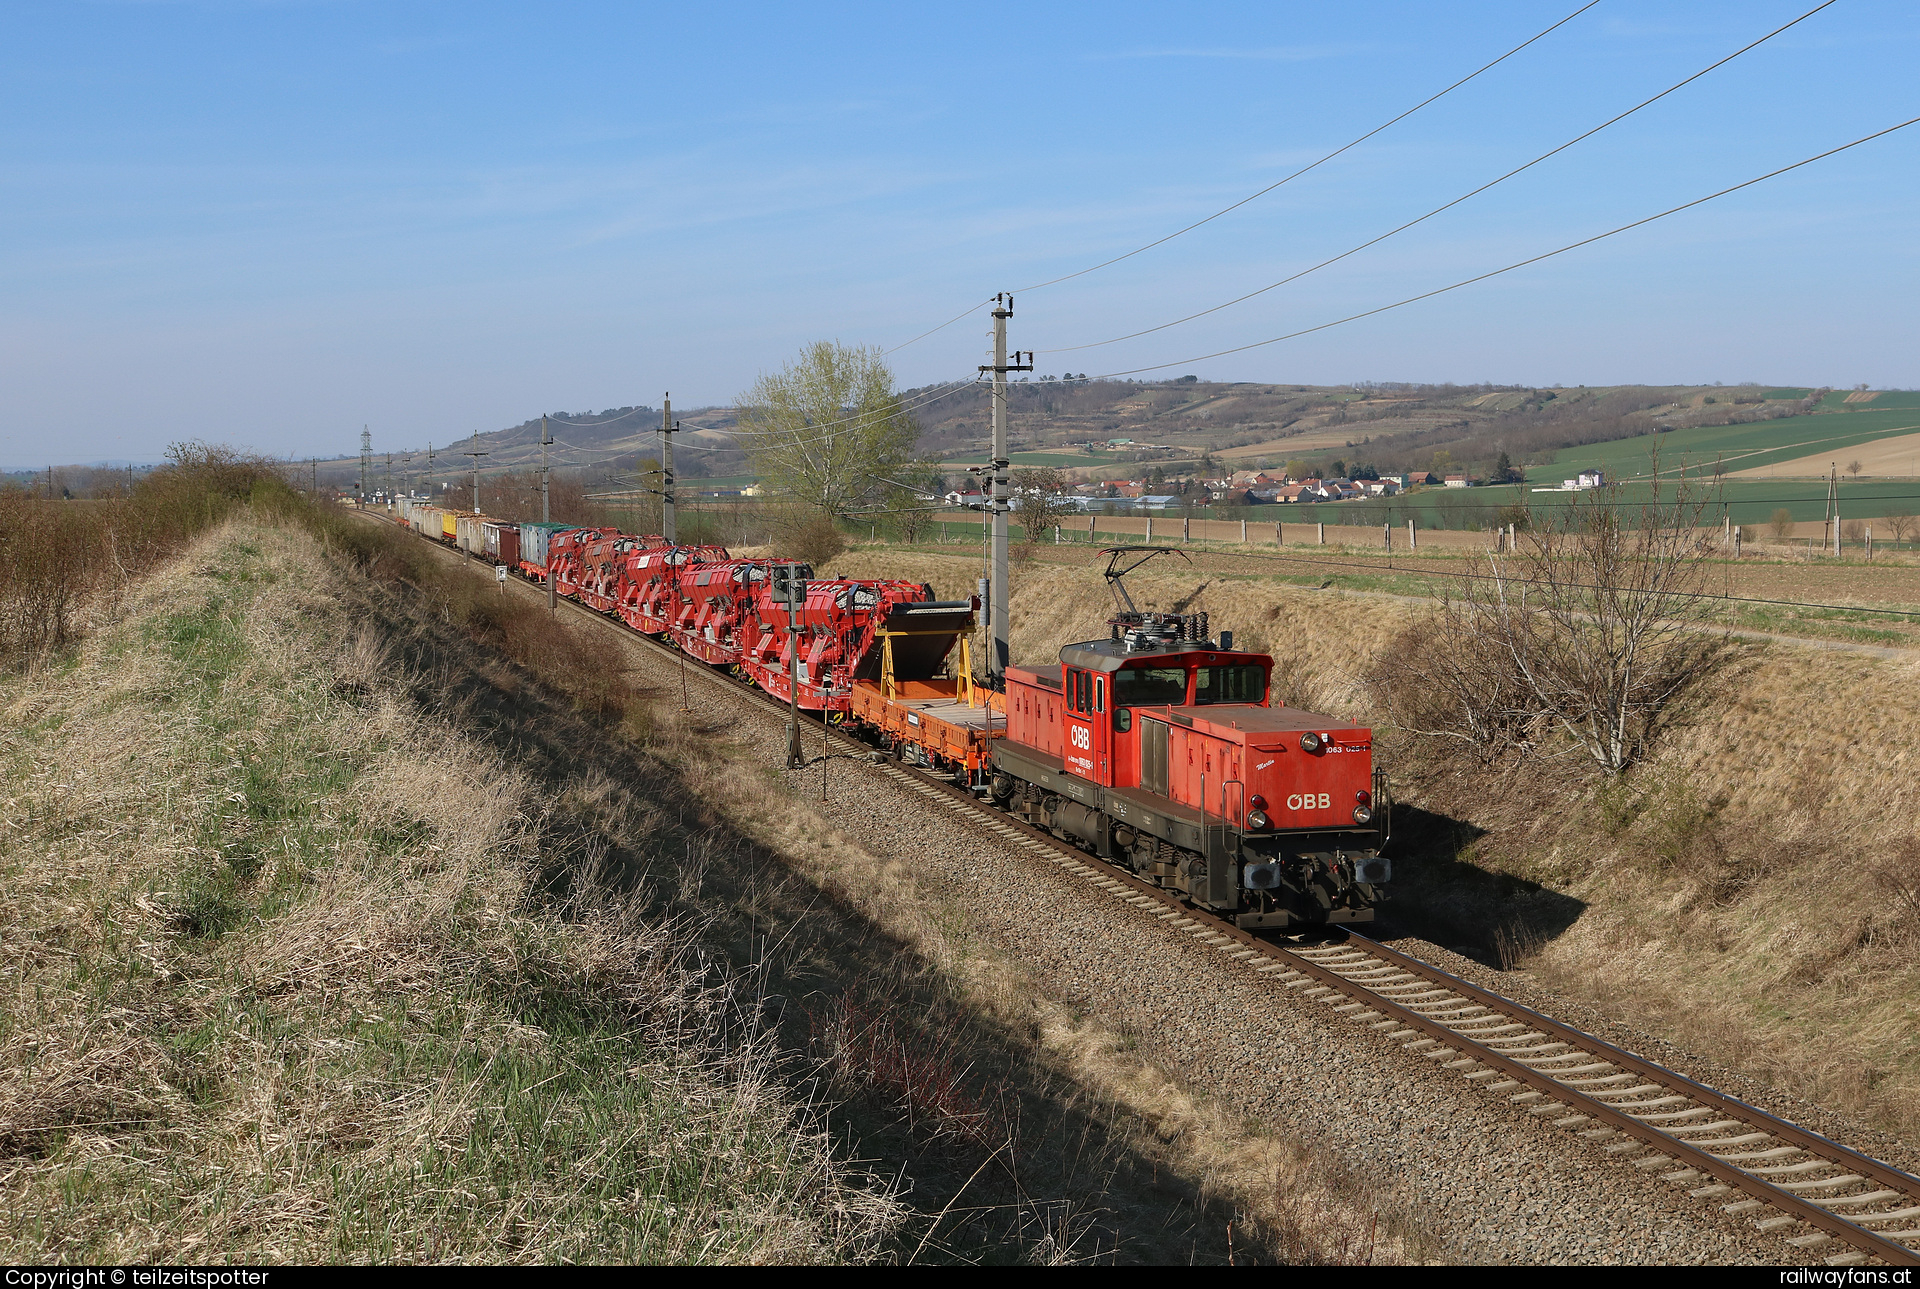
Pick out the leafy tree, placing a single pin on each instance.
(818, 431)
(1503, 470)
(1338, 469)
(1442, 463)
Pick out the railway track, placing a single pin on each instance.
(1824, 1201)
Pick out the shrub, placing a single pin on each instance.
(813, 538)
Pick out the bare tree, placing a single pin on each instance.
(1782, 523)
(1900, 524)
(1043, 502)
(1588, 644)
(911, 499)
(1853, 467)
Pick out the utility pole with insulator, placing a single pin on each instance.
(546, 471)
(667, 431)
(546, 441)
(997, 653)
(476, 454)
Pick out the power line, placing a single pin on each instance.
(1264, 191)
(1095, 344)
(1571, 246)
(1323, 160)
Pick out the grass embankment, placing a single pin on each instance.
(289, 974)
(1753, 890)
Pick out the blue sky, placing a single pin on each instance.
(270, 223)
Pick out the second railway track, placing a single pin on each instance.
(1823, 1201)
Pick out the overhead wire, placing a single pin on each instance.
(1519, 264)
(1455, 573)
(1437, 210)
(1322, 161)
(1225, 210)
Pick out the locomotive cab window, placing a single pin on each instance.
(1245, 683)
(1149, 686)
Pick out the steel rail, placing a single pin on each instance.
(1391, 1014)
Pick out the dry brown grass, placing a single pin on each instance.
(284, 975)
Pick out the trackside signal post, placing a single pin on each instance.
(1000, 501)
(795, 594)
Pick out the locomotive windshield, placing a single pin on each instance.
(1243, 683)
(1150, 686)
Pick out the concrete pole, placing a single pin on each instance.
(1413, 536)
(997, 650)
(1243, 532)
(1323, 533)
(1149, 530)
(546, 508)
(668, 528)
(1276, 533)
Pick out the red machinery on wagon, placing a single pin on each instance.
(586, 563)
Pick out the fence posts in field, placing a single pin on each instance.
(1323, 532)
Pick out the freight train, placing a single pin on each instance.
(1157, 748)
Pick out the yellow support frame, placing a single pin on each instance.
(889, 688)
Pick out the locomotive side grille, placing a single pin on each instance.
(1153, 756)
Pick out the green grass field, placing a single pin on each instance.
(1736, 447)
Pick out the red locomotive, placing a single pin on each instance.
(1158, 749)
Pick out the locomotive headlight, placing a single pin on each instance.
(1309, 742)
(1256, 819)
(1361, 814)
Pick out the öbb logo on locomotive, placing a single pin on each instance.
(1193, 747)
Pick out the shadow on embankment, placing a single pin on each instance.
(1440, 894)
(1003, 1158)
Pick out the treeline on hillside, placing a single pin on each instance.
(61, 557)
